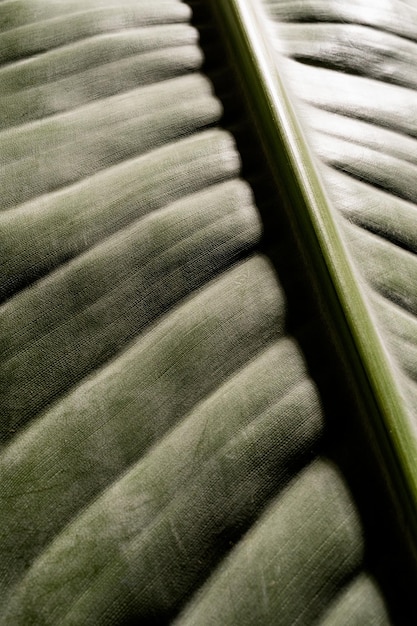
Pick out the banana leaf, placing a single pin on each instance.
(208, 300)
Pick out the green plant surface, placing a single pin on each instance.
(357, 110)
(317, 227)
(185, 429)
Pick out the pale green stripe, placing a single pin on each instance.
(314, 222)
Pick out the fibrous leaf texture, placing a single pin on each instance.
(179, 439)
(352, 71)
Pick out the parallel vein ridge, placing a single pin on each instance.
(166, 451)
(357, 97)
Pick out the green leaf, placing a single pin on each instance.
(206, 385)
(318, 230)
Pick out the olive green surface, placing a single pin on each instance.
(171, 449)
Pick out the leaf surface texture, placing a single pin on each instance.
(164, 454)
